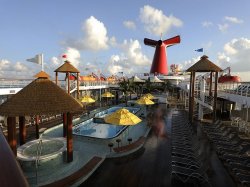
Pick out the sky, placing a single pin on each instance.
(107, 36)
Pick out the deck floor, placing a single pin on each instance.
(151, 165)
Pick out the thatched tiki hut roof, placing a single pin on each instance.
(67, 68)
(40, 97)
(203, 65)
(42, 74)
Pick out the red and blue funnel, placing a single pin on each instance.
(159, 65)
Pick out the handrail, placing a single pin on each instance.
(38, 154)
(11, 174)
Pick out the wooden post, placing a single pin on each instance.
(215, 96)
(69, 138)
(77, 76)
(192, 98)
(64, 124)
(11, 126)
(37, 126)
(56, 78)
(22, 130)
(68, 83)
(210, 83)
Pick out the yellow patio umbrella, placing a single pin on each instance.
(122, 117)
(107, 95)
(144, 101)
(149, 96)
(87, 99)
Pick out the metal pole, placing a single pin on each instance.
(42, 62)
(100, 81)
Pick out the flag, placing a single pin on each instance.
(94, 75)
(103, 77)
(37, 59)
(199, 50)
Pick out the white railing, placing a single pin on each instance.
(14, 83)
(242, 89)
(10, 85)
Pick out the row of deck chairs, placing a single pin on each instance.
(187, 159)
(231, 149)
(243, 125)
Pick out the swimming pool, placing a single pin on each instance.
(103, 130)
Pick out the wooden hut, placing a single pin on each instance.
(40, 97)
(68, 68)
(203, 65)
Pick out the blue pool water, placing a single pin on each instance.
(101, 130)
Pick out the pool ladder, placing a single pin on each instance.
(38, 155)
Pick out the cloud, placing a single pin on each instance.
(131, 59)
(207, 24)
(4, 65)
(129, 25)
(133, 51)
(73, 55)
(112, 41)
(94, 36)
(20, 67)
(222, 60)
(233, 20)
(223, 27)
(236, 54)
(116, 64)
(155, 22)
(56, 61)
(229, 49)
(238, 51)
(9, 69)
(188, 63)
(228, 21)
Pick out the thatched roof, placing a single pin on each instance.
(40, 97)
(67, 67)
(204, 65)
(42, 74)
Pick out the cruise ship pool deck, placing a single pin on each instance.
(88, 149)
(148, 154)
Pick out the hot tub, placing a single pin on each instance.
(51, 149)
